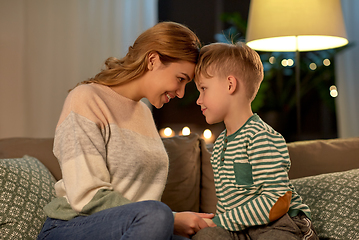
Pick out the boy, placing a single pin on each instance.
(250, 160)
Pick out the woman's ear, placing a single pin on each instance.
(153, 58)
(232, 84)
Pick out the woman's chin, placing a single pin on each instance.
(157, 105)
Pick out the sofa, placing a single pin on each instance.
(324, 172)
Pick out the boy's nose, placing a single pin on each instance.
(199, 100)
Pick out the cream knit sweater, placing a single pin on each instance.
(109, 151)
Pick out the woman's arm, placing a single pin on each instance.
(80, 145)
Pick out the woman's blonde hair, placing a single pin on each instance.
(172, 41)
(222, 59)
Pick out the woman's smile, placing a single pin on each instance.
(168, 97)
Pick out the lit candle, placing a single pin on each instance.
(208, 136)
(166, 132)
(186, 131)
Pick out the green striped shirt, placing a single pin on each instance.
(250, 173)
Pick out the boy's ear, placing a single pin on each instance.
(232, 84)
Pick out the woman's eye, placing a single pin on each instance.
(181, 79)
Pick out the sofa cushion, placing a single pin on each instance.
(208, 191)
(315, 157)
(26, 187)
(334, 201)
(182, 188)
(190, 184)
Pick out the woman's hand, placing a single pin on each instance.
(188, 223)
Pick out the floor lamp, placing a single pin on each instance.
(295, 26)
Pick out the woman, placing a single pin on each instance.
(114, 165)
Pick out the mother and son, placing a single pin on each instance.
(114, 164)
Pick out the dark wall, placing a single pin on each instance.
(204, 18)
(200, 18)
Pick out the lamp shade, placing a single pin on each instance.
(295, 25)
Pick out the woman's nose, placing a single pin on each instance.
(180, 92)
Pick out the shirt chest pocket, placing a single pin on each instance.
(243, 173)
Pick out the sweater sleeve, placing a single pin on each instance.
(266, 194)
(80, 146)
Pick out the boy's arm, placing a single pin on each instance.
(242, 217)
(271, 196)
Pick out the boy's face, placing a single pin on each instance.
(213, 98)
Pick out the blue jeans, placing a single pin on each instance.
(134, 221)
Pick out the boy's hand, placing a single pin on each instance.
(188, 223)
(209, 222)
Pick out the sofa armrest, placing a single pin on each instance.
(40, 148)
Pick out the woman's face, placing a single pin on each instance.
(167, 81)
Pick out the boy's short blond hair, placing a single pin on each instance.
(239, 60)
